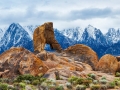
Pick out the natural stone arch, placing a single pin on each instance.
(44, 34)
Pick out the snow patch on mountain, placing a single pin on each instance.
(1, 33)
(113, 36)
(30, 29)
(15, 36)
(73, 33)
(91, 31)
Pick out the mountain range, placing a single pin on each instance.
(17, 35)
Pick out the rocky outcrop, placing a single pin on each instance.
(66, 66)
(82, 53)
(16, 61)
(44, 34)
(107, 64)
(118, 69)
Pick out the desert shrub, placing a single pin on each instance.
(118, 83)
(20, 78)
(79, 81)
(117, 74)
(49, 82)
(27, 78)
(44, 85)
(4, 80)
(94, 87)
(52, 87)
(10, 87)
(95, 81)
(103, 78)
(111, 85)
(68, 85)
(60, 87)
(22, 85)
(103, 81)
(3, 86)
(72, 79)
(103, 87)
(35, 82)
(87, 81)
(42, 80)
(92, 75)
(26, 81)
(80, 87)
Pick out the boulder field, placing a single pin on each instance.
(76, 60)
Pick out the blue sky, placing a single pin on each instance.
(103, 14)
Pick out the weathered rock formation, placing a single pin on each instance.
(16, 61)
(118, 59)
(82, 53)
(66, 66)
(107, 64)
(118, 69)
(44, 34)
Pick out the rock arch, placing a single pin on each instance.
(44, 34)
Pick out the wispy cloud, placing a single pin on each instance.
(64, 13)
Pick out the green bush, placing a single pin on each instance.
(20, 78)
(79, 81)
(26, 81)
(118, 83)
(60, 87)
(117, 74)
(44, 85)
(4, 80)
(87, 81)
(103, 87)
(92, 75)
(68, 85)
(94, 87)
(22, 85)
(103, 81)
(95, 81)
(103, 78)
(3, 86)
(10, 87)
(42, 80)
(111, 85)
(52, 87)
(72, 79)
(49, 82)
(35, 82)
(80, 87)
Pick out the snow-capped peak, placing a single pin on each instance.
(1, 33)
(73, 33)
(91, 31)
(30, 29)
(111, 30)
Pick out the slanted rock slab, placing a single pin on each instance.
(20, 61)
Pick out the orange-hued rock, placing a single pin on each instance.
(118, 58)
(107, 64)
(44, 34)
(118, 69)
(20, 61)
(82, 53)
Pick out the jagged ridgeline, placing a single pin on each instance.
(16, 35)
